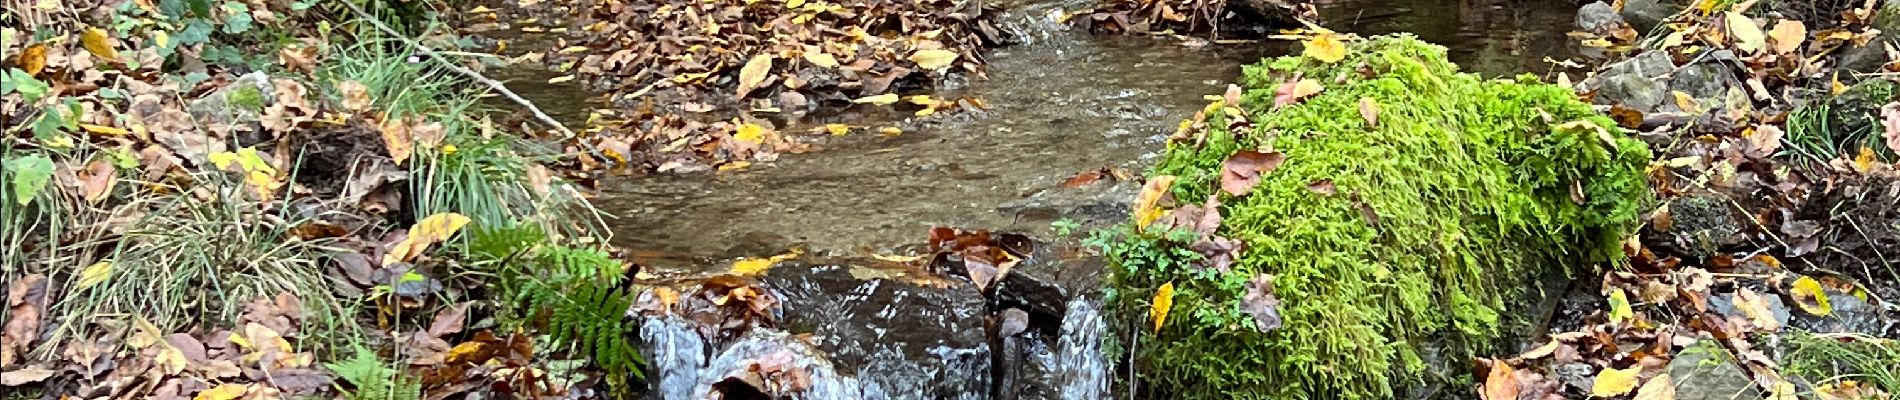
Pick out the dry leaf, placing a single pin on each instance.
(1292, 92)
(1242, 171)
(1369, 110)
(1753, 306)
(355, 95)
(820, 58)
(1812, 298)
(33, 59)
(882, 99)
(1325, 47)
(753, 74)
(750, 133)
(95, 274)
(1163, 301)
(1146, 203)
(25, 376)
(397, 138)
(424, 233)
(1501, 383)
(1658, 388)
(1259, 301)
(934, 59)
(1747, 35)
(1612, 382)
(228, 391)
(1787, 35)
(754, 266)
(97, 42)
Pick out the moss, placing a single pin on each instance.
(248, 98)
(1471, 180)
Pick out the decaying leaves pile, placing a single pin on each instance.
(695, 74)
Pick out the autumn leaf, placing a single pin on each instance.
(355, 95)
(1612, 382)
(1369, 110)
(1501, 383)
(228, 391)
(1146, 209)
(1325, 47)
(97, 180)
(1755, 307)
(882, 99)
(95, 274)
(1164, 300)
(427, 232)
(753, 74)
(754, 266)
(1294, 91)
(97, 42)
(837, 129)
(1747, 35)
(1864, 162)
(933, 59)
(397, 138)
(1260, 303)
(1242, 171)
(1812, 298)
(750, 133)
(1890, 122)
(1787, 35)
(1620, 307)
(1658, 388)
(33, 59)
(170, 359)
(820, 58)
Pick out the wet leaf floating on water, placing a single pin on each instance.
(1325, 47)
(1242, 171)
(1612, 382)
(429, 231)
(1747, 35)
(753, 74)
(1787, 36)
(1163, 301)
(1809, 294)
(934, 59)
(99, 43)
(1260, 303)
(1147, 208)
(1501, 383)
(1294, 91)
(882, 99)
(1658, 388)
(754, 266)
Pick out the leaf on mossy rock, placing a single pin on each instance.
(1325, 47)
(1242, 171)
(1260, 303)
(1294, 91)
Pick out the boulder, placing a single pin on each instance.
(1645, 15)
(1598, 17)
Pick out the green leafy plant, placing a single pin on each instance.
(373, 378)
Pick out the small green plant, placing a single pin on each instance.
(1825, 358)
(1845, 123)
(574, 295)
(373, 378)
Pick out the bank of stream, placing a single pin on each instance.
(1060, 103)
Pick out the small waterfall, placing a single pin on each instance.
(1081, 369)
(676, 353)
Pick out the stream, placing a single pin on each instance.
(1062, 102)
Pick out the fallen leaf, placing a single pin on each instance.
(1260, 303)
(1294, 91)
(1787, 35)
(228, 391)
(750, 133)
(355, 95)
(1612, 382)
(1809, 294)
(1763, 140)
(1322, 187)
(97, 42)
(1369, 110)
(95, 274)
(934, 59)
(821, 59)
(1864, 162)
(1890, 120)
(1163, 301)
(754, 266)
(33, 59)
(1658, 388)
(1242, 171)
(449, 321)
(23, 376)
(882, 99)
(1747, 34)
(97, 180)
(1501, 383)
(1620, 310)
(1325, 47)
(837, 129)
(30, 175)
(397, 139)
(1146, 208)
(1753, 306)
(753, 74)
(427, 232)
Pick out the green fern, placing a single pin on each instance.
(374, 379)
(575, 295)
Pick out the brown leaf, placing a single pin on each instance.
(33, 59)
(1658, 388)
(23, 376)
(753, 74)
(1294, 91)
(1890, 120)
(97, 180)
(397, 138)
(1242, 171)
(1323, 187)
(1082, 179)
(355, 96)
(449, 321)
(1260, 303)
(1501, 383)
(26, 304)
(1763, 140)
(1369, 110)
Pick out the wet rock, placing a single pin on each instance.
(1645, 15)
(1578, 376)
(1849, 315)
(1724, 303)
(1704, 225)
(235, 108)
(901, 339)
(1598, 17)
(773, 364)
(1636, 83)
(1871, 57)
(1647, 83)
(1704, 371)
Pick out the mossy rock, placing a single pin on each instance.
(1473, 187)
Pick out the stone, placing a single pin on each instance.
(1848, 314)
(235, 108)
(939, 348)
(1636, 83)
(1645, 15)
(1704, 371)
(1598, 17)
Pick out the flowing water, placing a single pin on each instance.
(1062, 102)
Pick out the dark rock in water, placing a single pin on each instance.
(901, 339)
(1598, 17)
(1705, 371)
(1645, 15)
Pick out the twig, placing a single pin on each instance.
(464, 71)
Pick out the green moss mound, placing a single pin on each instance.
(1477, 186)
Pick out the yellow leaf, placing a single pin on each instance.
(753, 73)
(1812, 298)
(424, 233)
(896, 259)
(837, 129)
(1747, 35)
(170, 360)
(1164, 300)
(1146, 211)
(1865, 161)
(820, 58)
(1686, 102)
(98, 43)
(1782, 390)
(750, 133)
(1788, 35)
(1658, 388)
(559, 79)
(1835, 87)
(691, 77)
(882, 99)
(754, 266)
(226, 391)
(1615, 382)
(398, 139)
(1620, 307)
(95, 274)
(33, 59)
(890, 131)
(933, 59)
(104, 130)
(793, 4)
(1325, 47)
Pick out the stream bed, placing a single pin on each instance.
(1061, 103)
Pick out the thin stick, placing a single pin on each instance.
(437, 56)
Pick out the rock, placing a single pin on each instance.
(1598, 17)
(1645, 15)
(1648, 83)
(235, 108)
(1704, 371)
(1578, 376)
(1704, 225)
(1636, 83)
(1849, 315)
(940, 349)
